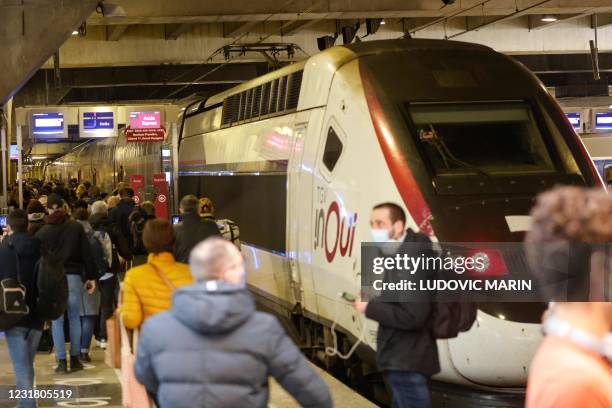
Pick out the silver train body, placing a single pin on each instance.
(298, 158)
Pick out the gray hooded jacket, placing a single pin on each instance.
(212, 349)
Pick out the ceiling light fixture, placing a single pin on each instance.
(75, 32)
(549, 18)
(383, 22)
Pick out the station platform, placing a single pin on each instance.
(98, 384)
(342, 395)
(95, 386)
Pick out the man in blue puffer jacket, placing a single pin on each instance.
(214, 350)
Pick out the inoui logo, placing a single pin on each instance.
(339, 239)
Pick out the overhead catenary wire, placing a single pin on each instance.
(497, 20)
(233, 42)
(447, 17)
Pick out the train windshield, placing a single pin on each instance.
(493, 138)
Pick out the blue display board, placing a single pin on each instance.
(574, 119)
(93, 121)
(48, 123)
(603, 120)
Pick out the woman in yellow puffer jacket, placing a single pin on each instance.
(147, 289)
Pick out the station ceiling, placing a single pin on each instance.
(164, 49)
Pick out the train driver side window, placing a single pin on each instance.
(332, 150)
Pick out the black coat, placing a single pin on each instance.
(27, 249)
(189, 232)
(120, 216)
(120, 243)
(404, 339)
(68, 237)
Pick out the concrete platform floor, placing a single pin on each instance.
(343, 396)
(98, 385)
(95, 386)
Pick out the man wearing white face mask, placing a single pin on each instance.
(572, 367)
(388, 223)
(406, 351)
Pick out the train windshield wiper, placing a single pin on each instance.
(431, 137)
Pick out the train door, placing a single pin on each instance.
(300, 206)
(334, 219)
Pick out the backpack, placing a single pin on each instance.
(229, 231)
(52, 286)
(97, 252)
(107, 248)
(137, 224)
(13, 305)
(448, 319)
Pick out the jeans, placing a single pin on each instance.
(409, 389)
(87, 328)
(22, 345)
(75, 293)
(108, 303)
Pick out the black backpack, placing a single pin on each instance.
(448, 319)
(137, 223)
(13, 305)
(97, 253)
(52, 286)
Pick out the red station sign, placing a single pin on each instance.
(161, 198)
(145, 135)
(137, 182)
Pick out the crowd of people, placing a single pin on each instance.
(203, 343)
(103, 242)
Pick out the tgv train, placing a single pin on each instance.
(108, 161)
(463, 137)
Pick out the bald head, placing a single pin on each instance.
(217, 259)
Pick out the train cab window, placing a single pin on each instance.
(492, 138)
(333, 150)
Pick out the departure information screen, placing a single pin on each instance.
(603, 120)
(574, 119)
(48, 123)
(145, 120)
(98, 121)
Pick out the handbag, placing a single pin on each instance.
(13, 304)
(112, 355)
(134, 394)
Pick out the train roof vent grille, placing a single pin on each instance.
(243, 106)
(272, 98)
(230, 110)
(265, 98)
(282, 94)
(293, 94)
(256, 101)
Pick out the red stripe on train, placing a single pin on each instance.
(402, 176)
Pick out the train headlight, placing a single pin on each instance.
(487, 262)
(482, 262)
